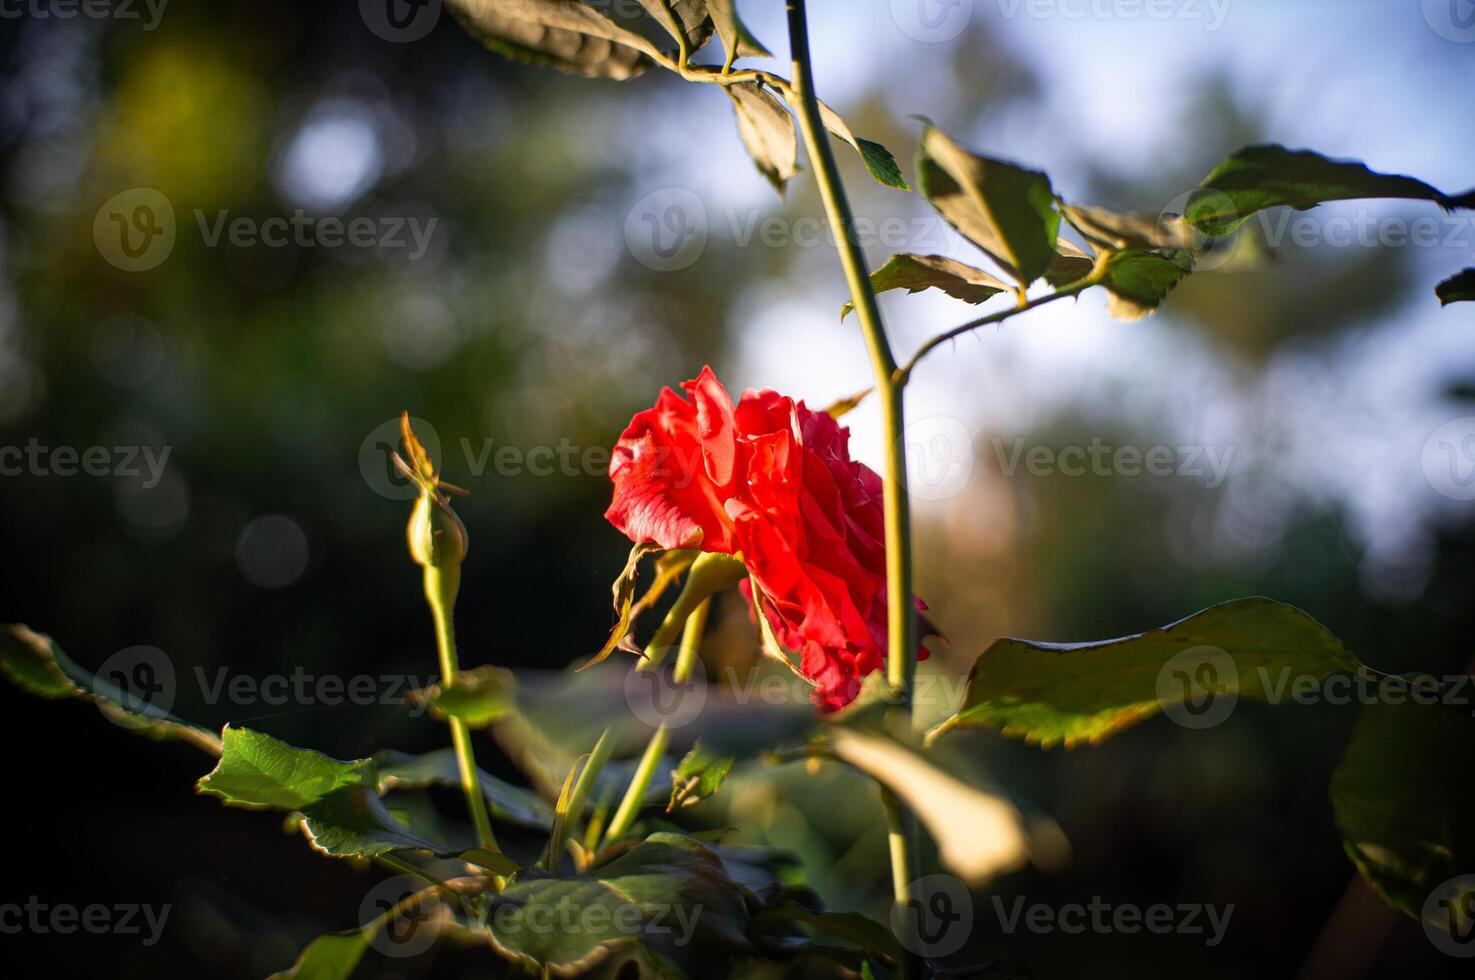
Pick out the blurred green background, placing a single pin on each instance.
(537, 316)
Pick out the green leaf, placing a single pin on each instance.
(699, 775)
(668, 900)
(509, 803)
(736, 38)
(331, 957)
(573, 37)
(767, 130)
(979, 833)
(1085, 692)
(259, 771)
(478, 696)
(852, 928)
(879, 162)
(915, 273)
(1006, 210)
(1070, 264)
(1400, 806)
(1260, 177)
(34, 663)
(684, 20)
(1459, 288)
(1138, 229)
(1139, 281)
(342, 814)
(353, 822)
(494, 861)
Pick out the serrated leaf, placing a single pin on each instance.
(341, 810)
(33, 662)
(879, 162)
(1075, 693)
(1459, 288)
(513, 804)
(767, 130)
(1139, 281)
(1132, 229)
(569, 35)
(478, 696)
(699, 775)
(684, 20)
(353, 822)
(1260, 177)
(1004, 209)
(736, 38)
(1070, 264)
(668, 899)
(1404, 814)
(852, 928)
(258, 771)
(915, 273)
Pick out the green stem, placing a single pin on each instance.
(901, 616)
(579, 796)
(901, 613)
(686, 658)
(904, 373)
(441, 586)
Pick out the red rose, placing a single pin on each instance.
(773, 481)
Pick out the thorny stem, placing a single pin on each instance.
(901, 613)
(441, 585)
(655, 750)
(904, 373)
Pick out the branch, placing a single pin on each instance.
(904, 373)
